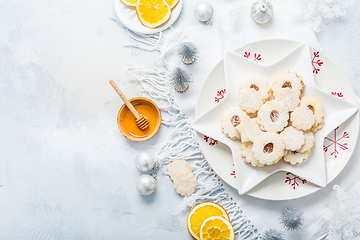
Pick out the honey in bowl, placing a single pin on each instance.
(127, 121)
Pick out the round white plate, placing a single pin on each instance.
(127, 16)
(338, 145)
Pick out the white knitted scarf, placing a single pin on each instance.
(182, 141)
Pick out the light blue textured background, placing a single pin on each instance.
(65, 170)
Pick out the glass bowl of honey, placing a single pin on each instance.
(127, 122)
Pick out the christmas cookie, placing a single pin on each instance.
(302, 118)
(293, 139)
(184, 180)
(229, 120)
(295, 158)
(315, 105)
(248, 129)
(288, 80)
(309, 142)
(273, 116)
(178, 166)
(248, 156)
(256, 83)
(185, 183)
(268, 148)
(287, 88)
(250, 100)
(316, 127)
(290, 99)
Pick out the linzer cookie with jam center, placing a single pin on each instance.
(287, 88)
(270, 130)
(315, 105)
(253, 92)
(230, 119)
(248, 155)
(295, 158)
(302, 118)
(257, 84)
(248, 129)
(273, 116)
(268, 148)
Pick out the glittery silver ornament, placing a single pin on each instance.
(292, 219)
(188, 52)
(145, 162)
(272, 234)
(146, 184)
(204, 12)
(262, 11)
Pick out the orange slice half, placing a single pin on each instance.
(200, 212)
(152, 13)
(130, 3)
(215, 228)
(172, 3)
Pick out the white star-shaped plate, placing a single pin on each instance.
(236, 67)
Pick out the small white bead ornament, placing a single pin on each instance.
(146, 184)
(262, 11)
(203, 12)
(145, 161)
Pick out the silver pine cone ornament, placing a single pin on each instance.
(188, 52)
(180, 79)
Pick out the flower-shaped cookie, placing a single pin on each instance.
(336, 111)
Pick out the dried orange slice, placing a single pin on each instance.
(152, 13)
(215, 227)
(200, 212)
(130, 3)
(172, 3)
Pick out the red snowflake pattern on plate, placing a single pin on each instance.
(292, 180)
(210, 140)
(233, 172)
(336, 143)
(316, 63)
(338, 94)
(257, 57)
(220, 95)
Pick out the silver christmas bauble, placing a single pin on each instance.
(145, 161)
(262, 11)
(204, 12)
(146, 184)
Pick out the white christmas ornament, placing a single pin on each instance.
(341, 216)
(203, 12)
(318, 12)
(262, 11)
(145, 161)
(146, 184)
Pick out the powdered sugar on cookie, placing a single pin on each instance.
(184, 180)
(273, 129)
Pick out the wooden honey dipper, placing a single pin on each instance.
(141, 120)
